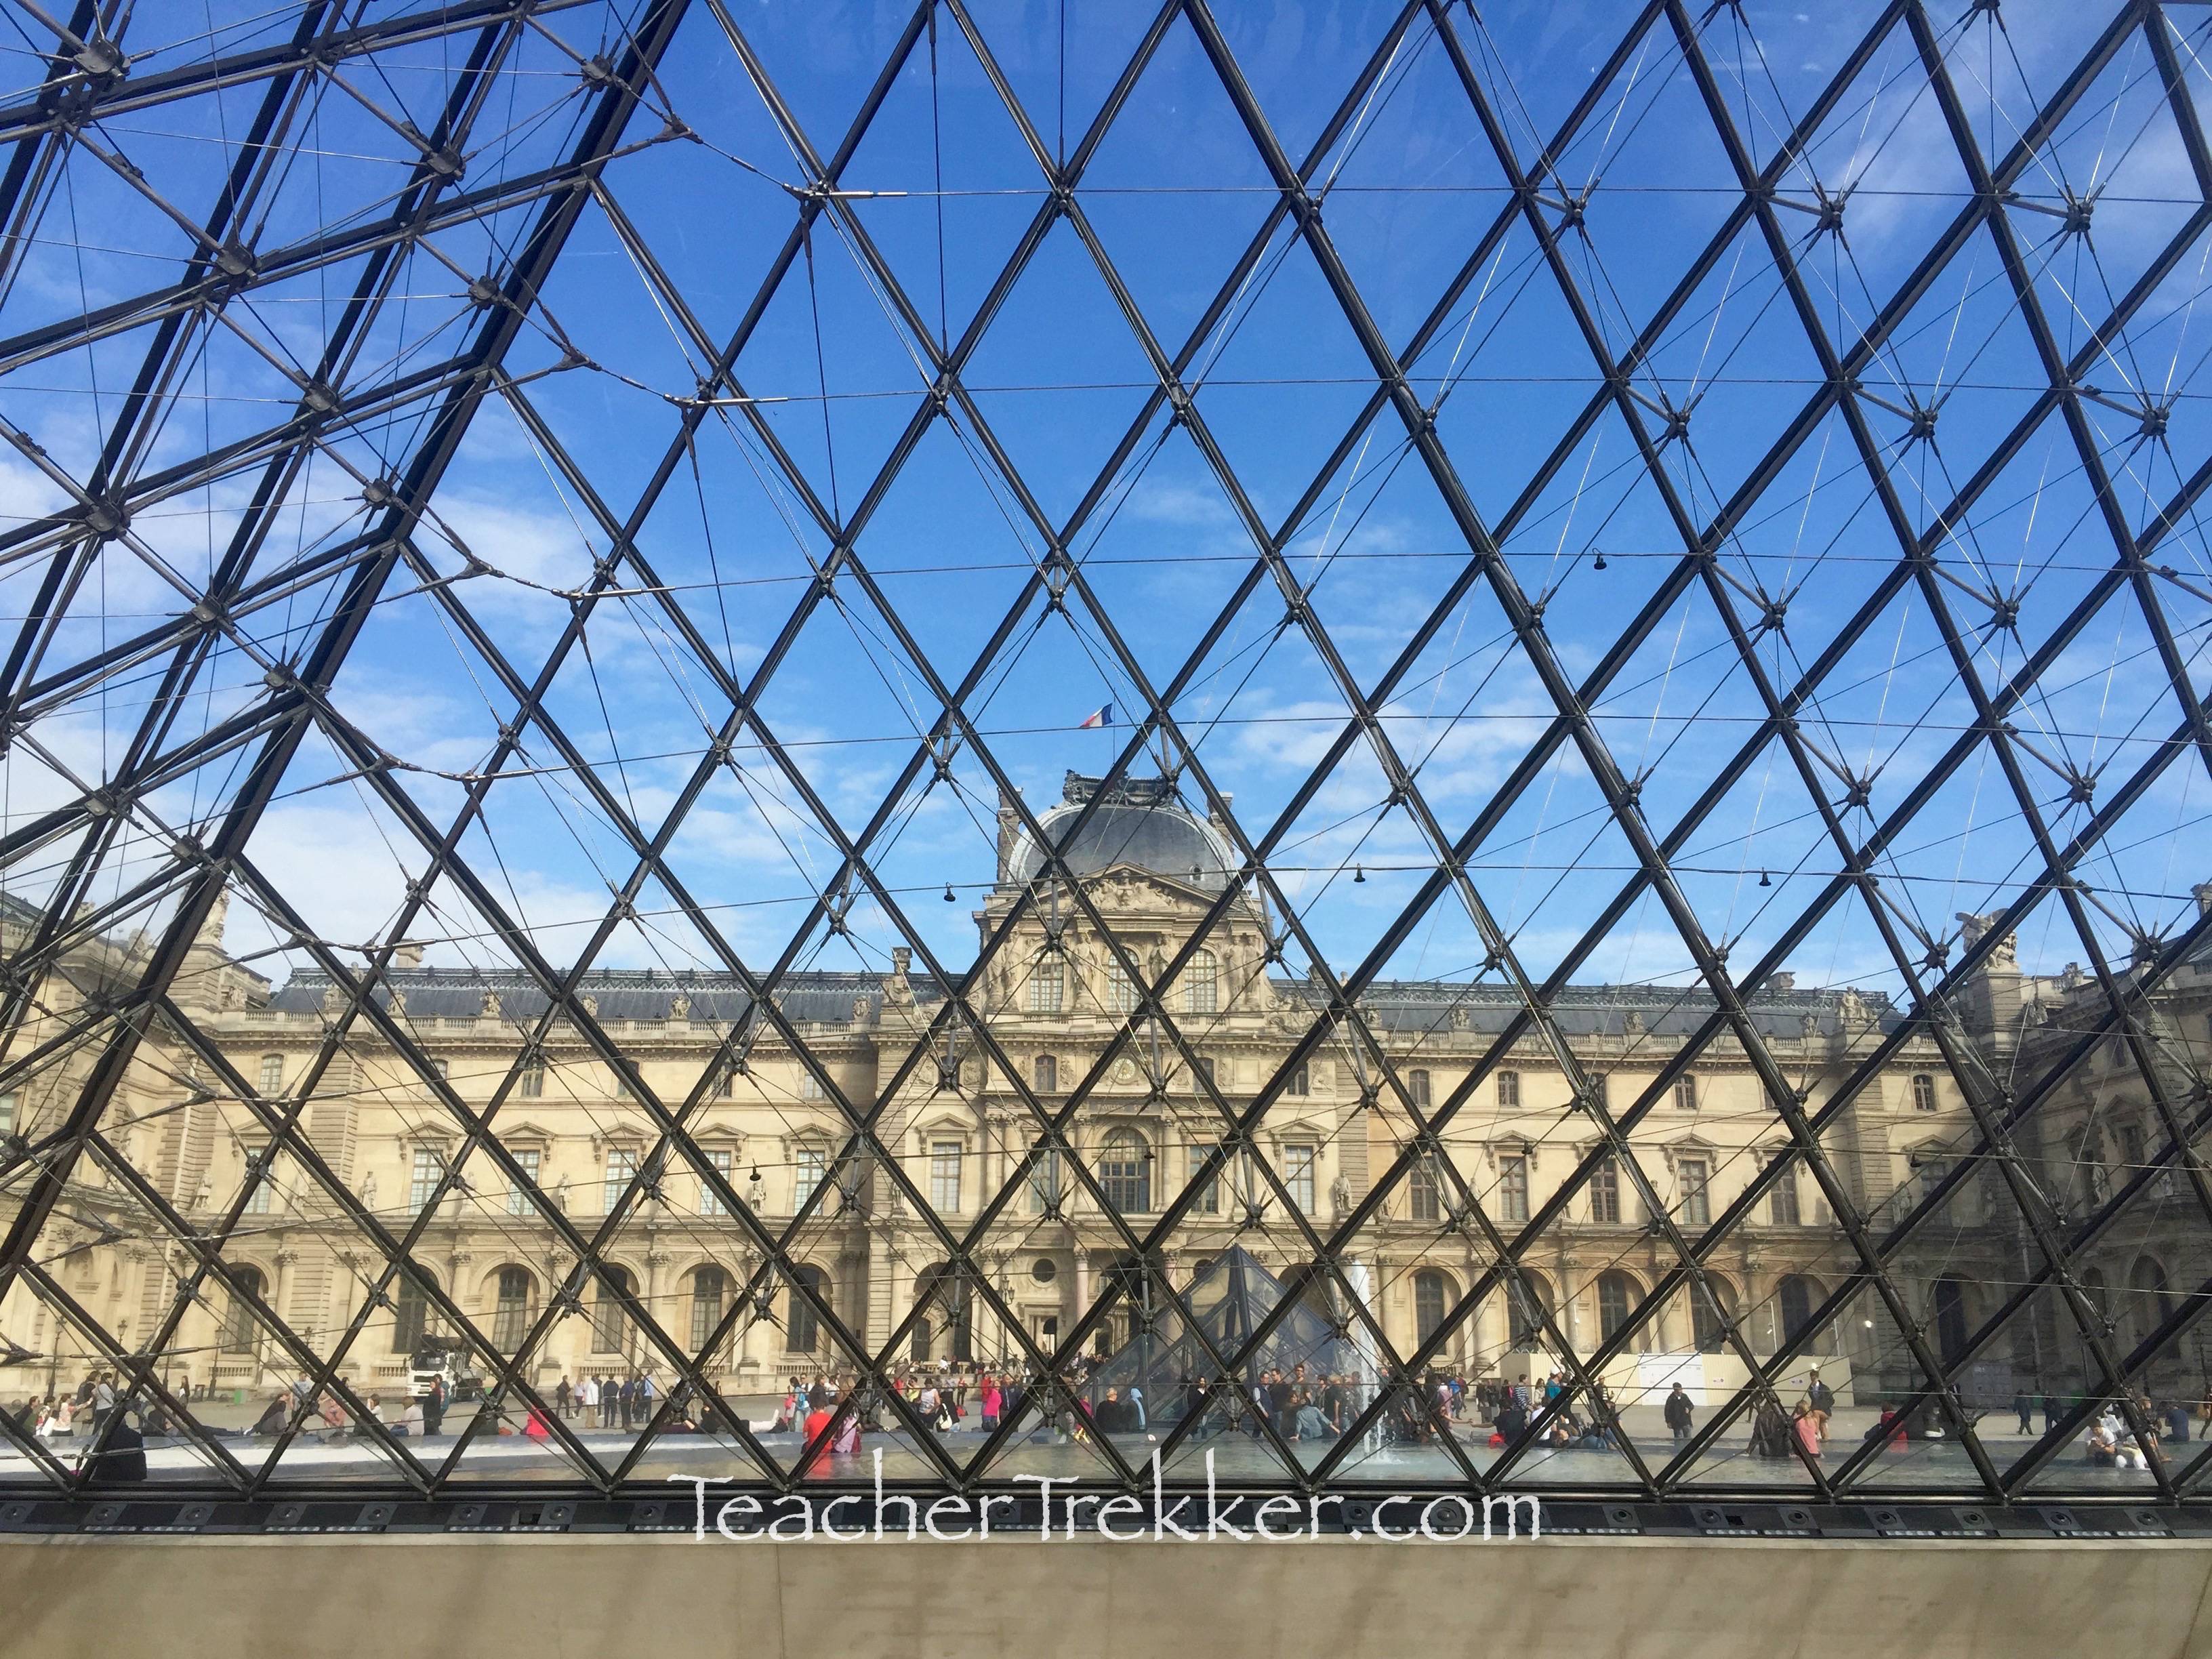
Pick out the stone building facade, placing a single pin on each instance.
(186, 1153)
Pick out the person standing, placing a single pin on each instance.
(588, 1393)
(561, 1395)
(1679, 1416)
(434, 1408)
(2023, 1408)
(1808, 1428)
(642, 1400)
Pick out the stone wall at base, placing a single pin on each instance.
(605, 1597)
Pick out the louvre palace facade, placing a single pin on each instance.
(182, 1236)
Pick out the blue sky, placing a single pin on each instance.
(945, 185)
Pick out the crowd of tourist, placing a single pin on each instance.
(830, 1413)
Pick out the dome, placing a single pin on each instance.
(1140, 823)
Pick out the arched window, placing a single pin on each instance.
(941, 1293)
(1795, 1298)
(1429, 1296)
(1923, 1092)
(1710, 1308)
(1528, 1303)
(2100, 1294)
(1044, 1074)
(1421, 1185)
(1121, 994)
(1950, 1307)
(1201, 983)
(1125, 1172)
(609, 1321)
(1047, 985)
(410, 1302)
(802, 1329)
(1616, 1295)
(240, 1327)
(511, 1315)
(2153, 1303)
(710, 1295)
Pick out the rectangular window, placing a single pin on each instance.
(1930, 1172)
(444, 1068)
(2131, 1146)
(810, 1086)
(1047, 986)
(423, 1179)
(1787, 1213)
(1513, 1187)
(725, 1079)
(1696, 1202)
(1605, 1191)
(1417, 1085)
(1426, 1190)
(8, 1114)
(1923, 1092)
(1685, 1093)
(807, 1175)
(621, 1169)
(1300, 1081)
(272, 1074)
(1120, 995)
(1600, 1090)
(1044, 1183)
(533, 1080)
(1208, 1201)
(944, 1176)
(1509, 1089)
(1298, 1166)
(517, 1196)
(1045, 1072)
(722, 1160)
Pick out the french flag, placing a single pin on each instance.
(1103, 717)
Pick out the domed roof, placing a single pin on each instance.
(1140, 823)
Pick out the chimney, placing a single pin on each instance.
(2203, 894)
(409, 955)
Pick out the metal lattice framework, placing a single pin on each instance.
(1801, 466)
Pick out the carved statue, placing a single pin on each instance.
(491, 1004)
(369, 1191)
(680, 1006)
